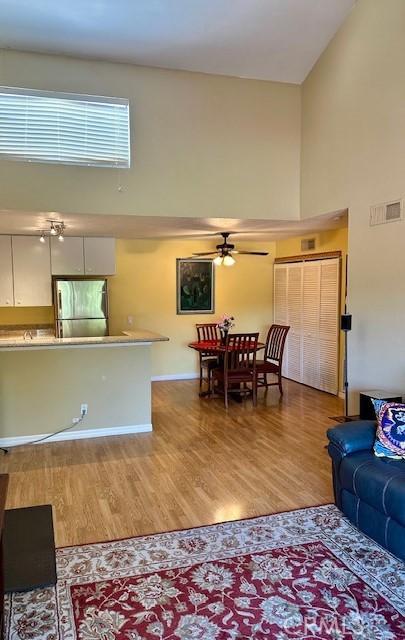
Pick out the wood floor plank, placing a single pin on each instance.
(202, 464)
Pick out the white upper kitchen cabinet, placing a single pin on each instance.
(99, 256)
(67, 257)
(6, 273)
(32, 272)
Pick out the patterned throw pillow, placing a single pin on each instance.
(390, 438)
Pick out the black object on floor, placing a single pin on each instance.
(343, 419)
(367, 411)
(28, 549)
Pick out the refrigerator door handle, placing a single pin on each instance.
(60, 303)
(104, 304)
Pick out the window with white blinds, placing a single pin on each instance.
(65, 128)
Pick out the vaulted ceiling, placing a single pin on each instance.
(276, 40)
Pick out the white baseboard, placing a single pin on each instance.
(77, 435)
(175, 376)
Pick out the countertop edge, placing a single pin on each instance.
(133, 339)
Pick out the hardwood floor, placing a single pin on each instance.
(200, 465)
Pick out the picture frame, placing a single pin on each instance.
(195, 286)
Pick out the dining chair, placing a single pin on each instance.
(238, 369)
(273, 357)
(207, 332)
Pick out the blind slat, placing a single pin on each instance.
(41, 127)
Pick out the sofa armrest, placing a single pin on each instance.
(353, 436)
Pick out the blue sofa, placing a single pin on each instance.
(369, 490)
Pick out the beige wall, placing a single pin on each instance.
(41, 391)
(333, 240)
(145, 287)
(202, 145)
(353, 155)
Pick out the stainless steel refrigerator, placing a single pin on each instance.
(81, 308)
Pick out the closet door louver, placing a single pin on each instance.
(294, 316)
(310, 323)
(280, 304)
(329, 326)
(280, 294)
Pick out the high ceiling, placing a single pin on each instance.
(143, 227)
(276, 40)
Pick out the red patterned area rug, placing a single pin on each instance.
(306, 574)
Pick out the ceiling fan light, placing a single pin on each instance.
(229, 261)
(218, 261)
(42, 238)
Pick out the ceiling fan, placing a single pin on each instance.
(225, 252)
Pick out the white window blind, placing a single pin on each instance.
(66, 128)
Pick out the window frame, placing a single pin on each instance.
(79, 97)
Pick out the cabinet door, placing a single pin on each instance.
(99, 256)
(32, 272)
(6, 273)
(67, 257)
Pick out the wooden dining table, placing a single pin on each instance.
(218, 348)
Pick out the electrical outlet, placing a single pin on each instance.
(84, 408)
(130, 320)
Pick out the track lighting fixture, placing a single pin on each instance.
(57, 228)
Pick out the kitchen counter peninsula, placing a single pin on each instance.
(135, 337)
(44, 381)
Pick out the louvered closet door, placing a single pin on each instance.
(294, 320)
(310, 324)
(329, 326)
(280, 302)
(306, 297)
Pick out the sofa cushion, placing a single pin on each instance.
(380, 482)
(390, 437)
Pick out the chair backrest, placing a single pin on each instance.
(240, 351)
(208, 331)
(275, 343)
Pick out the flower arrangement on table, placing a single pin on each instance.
(225, 324)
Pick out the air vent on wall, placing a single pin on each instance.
(308, 244)
(386, 212)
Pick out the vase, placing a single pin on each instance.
(224, 335)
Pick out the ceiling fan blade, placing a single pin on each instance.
(205, 253)
(252, 253)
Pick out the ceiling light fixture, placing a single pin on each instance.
(57, 228)
(228, 261)
(224, 250)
